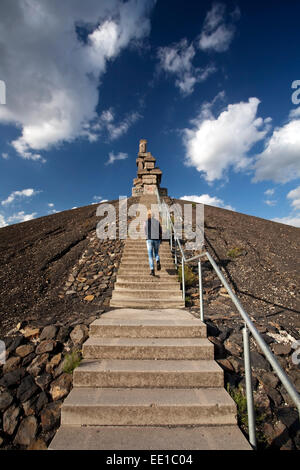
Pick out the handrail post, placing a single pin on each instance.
(175, 246)
(200, 290)
(182, 278)
(249, 389)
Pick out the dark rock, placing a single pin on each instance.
(43, 380)
(274, 395)
(212, 330)
(281, 349)
(268, 339)
(49, 332)
(61, 386)
(79, 334)
(258, 361)
(24, 350)
(15, 343)
(26, 432)
(225, 332)
(225, 364)
(46, 346)
(232, 347)
(38, 444)
(10, 419)
(50, 416)
(26, 389)
(63, 334)
(269, 379)
(12, 379)
(29, 406)
(38, 364)
(28, 359)
(5, 400)
(237, 364)
(242, 383)
(218, 347)
(11, 364)
(42, 400)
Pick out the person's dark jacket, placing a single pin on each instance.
(153, 230)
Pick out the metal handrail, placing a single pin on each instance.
(283, 377)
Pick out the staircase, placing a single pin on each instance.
(135, 287)
(148, 381)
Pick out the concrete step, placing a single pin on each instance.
(144, 263)
(130, 250)
(144, 270)
(148, 374)
(122, 438)
(151, 280)
(171, 285)
(148, 348)
(147, 294)
(136, 257)
(146, 303)
(148, 407)
(161, 324)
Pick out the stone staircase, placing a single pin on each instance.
(135, 287)
(148, 380)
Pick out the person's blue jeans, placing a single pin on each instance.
(153, 246)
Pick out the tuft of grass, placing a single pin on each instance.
(72, 361)
(189, 277)
(188, 301)
(238, 395)
(235, 252)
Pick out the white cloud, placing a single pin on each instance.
(177, 60)
(216, 35)
(19, 194)
(53, 76)
(105, 123)
(20, 217)
(51, 204)
(5, 156)
(295, 113)
(294, 195)
(280, 160)
(209, 200)
(270, 202)
(294, 217)
(3, 222)
(269, 192)
(289, 220)
(118, 156)
(213, 145)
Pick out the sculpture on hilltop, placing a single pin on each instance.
(148, 176)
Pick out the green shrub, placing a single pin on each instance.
(235, 252)
(238, 395)
(189, 277)
(72, 361)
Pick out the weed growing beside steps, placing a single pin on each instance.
(189, 277)
(72, 361)
(238, 395)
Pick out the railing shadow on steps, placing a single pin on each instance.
(248, 324)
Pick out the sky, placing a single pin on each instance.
(214, 87)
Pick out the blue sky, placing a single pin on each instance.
(208, 84)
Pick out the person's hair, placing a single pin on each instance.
(149, 213)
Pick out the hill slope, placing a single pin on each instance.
(37, 257)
